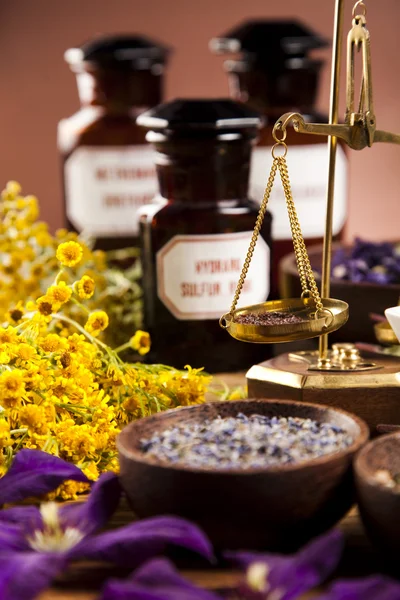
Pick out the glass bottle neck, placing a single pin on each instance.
(119, 90)
(204, 173)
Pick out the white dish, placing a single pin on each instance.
(393, 316)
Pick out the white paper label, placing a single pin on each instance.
(308, 173)
(197, 275)
(105, 187)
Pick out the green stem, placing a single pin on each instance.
(57, 279)
(74, 407)
(92, 339)
(122, 347)
(81, 306)
(20, 441)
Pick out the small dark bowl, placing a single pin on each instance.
(363, 298)
(380, 505)
(276, 508)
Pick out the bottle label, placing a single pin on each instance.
(308, 174)
(104, 188)
(197, 275)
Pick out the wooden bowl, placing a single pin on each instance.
(379, 504)
(362, 298)
(385, 334)
(275, 508)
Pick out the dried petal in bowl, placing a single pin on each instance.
(255, 441)
(269, 318)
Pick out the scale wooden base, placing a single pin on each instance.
(374, 395)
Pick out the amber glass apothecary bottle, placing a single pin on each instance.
(108, 168)
(275, 74)
(196, 233)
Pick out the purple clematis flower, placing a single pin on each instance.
(156, 580)
(369, 588)
(287, 577)
(37, 544)
(34, 473)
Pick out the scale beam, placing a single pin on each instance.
(357, 136)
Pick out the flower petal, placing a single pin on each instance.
(156, 580)
(102, 502)
(16, 524)
(24, 575)
(34, 473)
(133, 544)
(368, 588)
(12, 538)
(28, 516)
(298, 573)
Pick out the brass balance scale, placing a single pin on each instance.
(340, 376)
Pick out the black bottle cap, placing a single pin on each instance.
(134, 52)
(269, 41)
(200, 115)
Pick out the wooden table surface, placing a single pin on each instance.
(360, 559)
(82, 582)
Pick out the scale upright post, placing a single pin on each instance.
(332, 146)
(340, 377)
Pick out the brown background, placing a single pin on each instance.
(37, 88)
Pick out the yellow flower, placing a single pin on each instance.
(78, 442)
(34, 417)
(13, 187)
(37, 271)
(12, 383)
(8, 336)
(4, 358)
(91, 471)
(5, 439)
(140, 342)
(25, 351)
(97, 321)
(65, 360)
(237, 394)
(85, 287)
(33, 208)
(15, 314)
(69, 253)
(45, 306)
(63, 392)
(43, 238)
(133, 405)
(113, 465)
(61, 233)
(52, 342)
(69, 490)
(101, 440)
(77, 343)
(59, 293)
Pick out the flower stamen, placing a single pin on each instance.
(53, 537)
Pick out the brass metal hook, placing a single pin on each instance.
(358, 40)
(359, 5)
(359, 129)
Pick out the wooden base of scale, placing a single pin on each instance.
(373, 395)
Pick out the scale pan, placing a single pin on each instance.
(333, 316)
